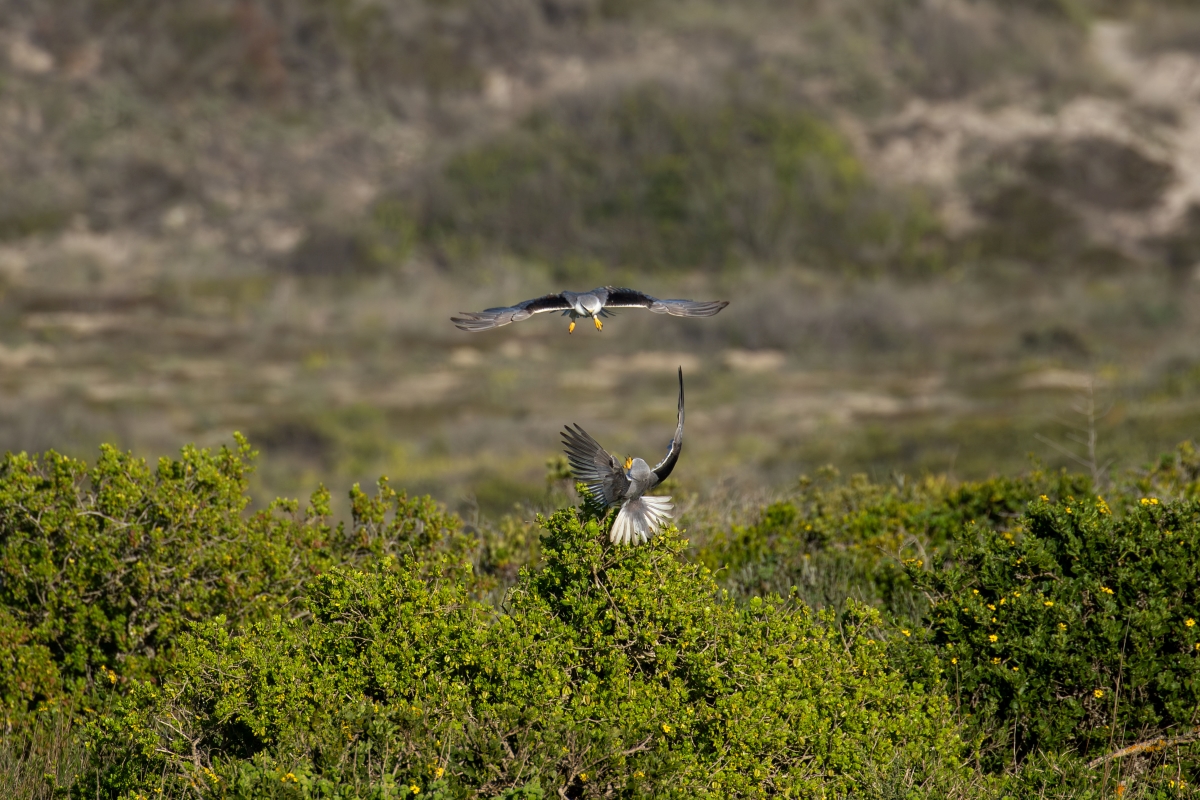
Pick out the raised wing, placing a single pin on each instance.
(664, 467)
(593, 465)
(495, 317)
(632, 298)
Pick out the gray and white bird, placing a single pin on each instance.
(594, 305)
(611, 483)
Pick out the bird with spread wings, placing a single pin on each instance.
(595, 305)
(611, 483)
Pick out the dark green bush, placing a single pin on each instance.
(1075, 631)
(101, 569)
(608, 672)
(660, 179)
(847, 539)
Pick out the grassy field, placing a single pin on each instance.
(338, 381)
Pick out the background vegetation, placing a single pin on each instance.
(937, 222)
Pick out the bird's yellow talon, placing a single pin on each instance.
(599, 324)
(628, 462)
(571, 327)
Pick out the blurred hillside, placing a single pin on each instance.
(944, 225)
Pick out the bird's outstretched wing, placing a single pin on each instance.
(495, 317)
(594, 466)
(632, 298)
(664, 467)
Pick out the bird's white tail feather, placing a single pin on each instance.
(640, 519)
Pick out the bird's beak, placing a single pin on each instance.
(628, 462)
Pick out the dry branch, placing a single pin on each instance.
(1148, 746)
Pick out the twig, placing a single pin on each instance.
(1081, 461)
(1148, 746)
(1085, 407)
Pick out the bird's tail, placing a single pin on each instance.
(640, 519)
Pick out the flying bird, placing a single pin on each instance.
(594, 304)
(611, 483)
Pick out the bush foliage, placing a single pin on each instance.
(921, 639)
(101, 569)
(608, 671)
(1075, 630)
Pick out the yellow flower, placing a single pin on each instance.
(1001, 601)
(992, 637)
(1104, 509)
(289, 777)
(992, 607)
(439, 772)
(1048, 603)
(955, 660)
(1045, 499)
(583, 777)
(995, 661)
(666, 728)
(414, 788)
(639, 774)
(1098, 693)
(1106, 590)
(905, 632)
(1016, 669)
(1016, 594)
(1062, 626)
(1191, 623)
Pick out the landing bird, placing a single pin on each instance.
(609, 483)
(593, 304)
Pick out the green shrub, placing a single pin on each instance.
(1176, 475)
(1073, 632)
(609, 671)
(153, 636)
(101, 569)
(837, 540)
(651, 179)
